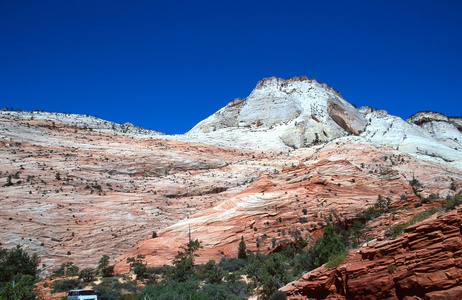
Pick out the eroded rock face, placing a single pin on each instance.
(432, 140)
(457, 121)
(442, 128)
(427, 116)
(272, 204)
(118, 185)
(300, 111)
(77, 192)
(77, 187)
(424, 263)
(322, 182)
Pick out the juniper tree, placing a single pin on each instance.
(328, 246)
(242, 250)
(184, 261)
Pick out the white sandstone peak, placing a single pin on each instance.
(297, 111)
(300, 112)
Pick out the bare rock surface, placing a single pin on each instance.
(424, 263)
(336, 181)
(287, 158)
(442, 128)
(439, 142)
(295, 112)
(300, 112)
(76, 193)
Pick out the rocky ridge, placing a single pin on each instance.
(299, 111)
(80, 187)
(445, 130)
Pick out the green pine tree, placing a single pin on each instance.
(242, 250)
(184, 261)
(328, 246)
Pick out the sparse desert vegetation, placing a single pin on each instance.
(222, 214)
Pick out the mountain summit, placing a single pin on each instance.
(298, 111)
(301, 112)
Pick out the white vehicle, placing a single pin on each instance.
(87, 294)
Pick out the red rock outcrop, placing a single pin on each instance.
(424, 263)
(272, 206)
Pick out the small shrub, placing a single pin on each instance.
(218, 292)
(66, 269)
(433, 196)
(452, 202)
(414, 182)
(106, 293)
(279, 295)
(165, 269)
(335, 260)
(8, 181)
(172, 290)
(391, 268)
(132, 296)
(233, 264)
(273, 242)
(64, 285)
(210, 272)
(242, 249)
(398, 228)
(423, 215)
(87, 275)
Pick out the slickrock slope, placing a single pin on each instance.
(296, 112)
(335, 182)
(437, 143)
(444, 129)
(73, 193)
(300, 112)
(77, 187)
(424, 263)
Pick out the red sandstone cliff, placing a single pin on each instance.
(424, 263)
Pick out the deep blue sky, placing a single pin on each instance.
(166, 65)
